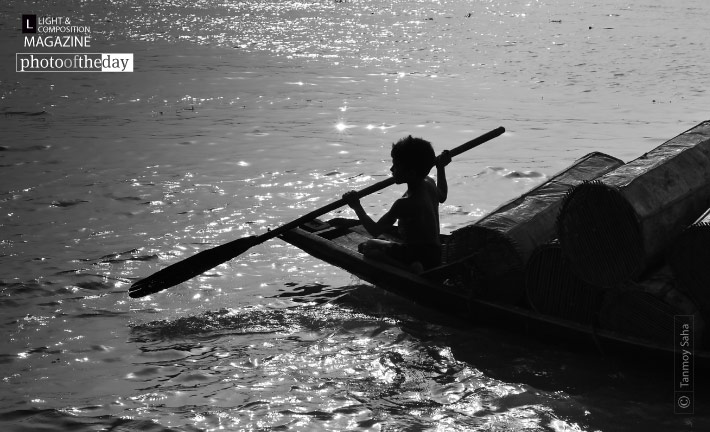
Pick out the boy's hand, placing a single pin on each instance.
(352, 199)
(443, 159)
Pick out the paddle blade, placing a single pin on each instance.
(190, 267)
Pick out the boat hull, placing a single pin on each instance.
(335, 242)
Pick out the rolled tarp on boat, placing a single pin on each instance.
(616, 227)
(647, 309)
(553, 289)
(500, 243)
(690, 260)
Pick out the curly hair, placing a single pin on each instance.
(414, 153)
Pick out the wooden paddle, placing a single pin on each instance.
(210, 258)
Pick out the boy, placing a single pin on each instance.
(417, 211)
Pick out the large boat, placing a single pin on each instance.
(444, 288)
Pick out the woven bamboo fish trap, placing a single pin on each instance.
(552, 288)
(613, 229)
(690, 260)
(501, 243)
(647, 309)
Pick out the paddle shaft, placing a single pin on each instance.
(201, 262)
(371, 189)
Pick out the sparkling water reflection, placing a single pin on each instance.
(336, 369)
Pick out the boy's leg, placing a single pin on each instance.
(379, 249)
(375, 248)
(390, 253)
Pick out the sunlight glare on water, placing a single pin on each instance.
(341, 370)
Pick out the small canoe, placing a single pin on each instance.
(444, 288)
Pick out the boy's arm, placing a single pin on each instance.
(374, 228)
(441, 184)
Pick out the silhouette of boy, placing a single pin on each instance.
(416, 212)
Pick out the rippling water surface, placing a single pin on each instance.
(243, 115)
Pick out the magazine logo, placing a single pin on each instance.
(54, 31)
(58, 32)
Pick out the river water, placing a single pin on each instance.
(243, 115)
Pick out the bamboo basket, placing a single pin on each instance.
(501, 243)
(690, 261)
(613, 229)
(552, 288)
(647, 309)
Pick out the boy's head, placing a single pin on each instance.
(414, 155)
